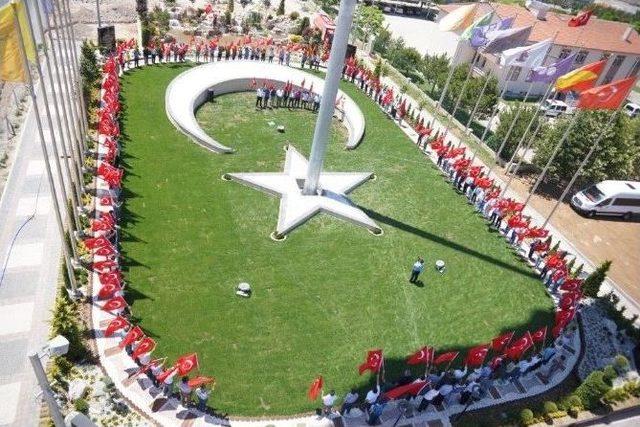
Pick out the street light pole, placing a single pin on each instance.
(43, 382)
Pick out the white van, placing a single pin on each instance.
(554, 108)
(632, 110)
(609, 198)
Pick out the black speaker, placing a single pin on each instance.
(107, 38)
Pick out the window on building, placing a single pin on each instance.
(580, 57)
(613, 69)
(564, 53)
(635, 69)
(515, 73)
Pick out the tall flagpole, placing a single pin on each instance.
(327, 104)
(526, 148)
(65, 95)
(76, 148)
(477, 104)
(449, 76)
(472, 65)
(511, 126)
(531, 122)
(43, 146)
(495, 109)
(553, 156)
(66, 72)
(581, 167)
(76, 68)
(45, 97)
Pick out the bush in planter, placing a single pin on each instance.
(633, 388)
(616, 395)
(592, 389)
(294, 15)
(81, 405)
(549, 407)
(526, 417)
(573, 412)
(591, 285)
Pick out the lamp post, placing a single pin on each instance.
(58, 346)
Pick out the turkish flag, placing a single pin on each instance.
(107, 290)
(569, 300)
(411, 389)
(133, 335)
(606, 97)
(166, 374)
(96, 242)
(500, 342)
(200, 380)
(106, 251)
(557, 330)
(445, 358)
(571, 285)
(564, 316)
(373, 362)
(104, 266)
(476, 356)
(147, 345)
(315, 388)
(580, 19)
(424, 355)
(105, 278)
(208, 8)
(115, 325)
(186, 363)
(539, 335)
(117, 303)
(519, 347)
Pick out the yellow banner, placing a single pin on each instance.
(11, 65)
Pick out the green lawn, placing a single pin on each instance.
(328, 293)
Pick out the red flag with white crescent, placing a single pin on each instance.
(115, 325)
(580, 19)
(476, 356)
(424, 355)
(539, 335)
(500, 342)
(519, 347)
(569, 300)
(373, 362)
(200, 380)
(186, 363)
(166, 374)
(411, 389)
(117, 303)
(108, 290)
(445, 358)
(133, 335)
(147, 345)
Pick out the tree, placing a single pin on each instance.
(230, 6)
(591, 285)
(368, 20)
(616, 155)
(506, 119)
(377, 71)
(435, 69)
(280, 8)
(304, 24)
(382, 42)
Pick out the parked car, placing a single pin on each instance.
(609, 198)
(632, 110)
(554, 108)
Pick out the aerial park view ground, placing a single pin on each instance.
(288, 239)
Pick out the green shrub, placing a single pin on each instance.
(573, 412)
(592, 389)
(591, 285)
(64, 321)
(294, 15)
(633, 388)
(621, 363)
(526, 417)
(81, 405)
(550, 407)
(615, 395)
(574, 401)
(610, 374)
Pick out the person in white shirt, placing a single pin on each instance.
(279, 97)
(156, 369)
(417, 268)
(349, 401)
(203, 395)
(259, 94)
(459, 374)
(327, 401)
(185, 391)
(372, 397)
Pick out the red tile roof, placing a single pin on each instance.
(598, 34)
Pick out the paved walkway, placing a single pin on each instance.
(29, 272)
(141, 393)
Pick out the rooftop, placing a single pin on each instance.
(598, 34)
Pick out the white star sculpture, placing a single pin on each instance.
(296, 208)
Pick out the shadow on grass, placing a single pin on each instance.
(444, 242)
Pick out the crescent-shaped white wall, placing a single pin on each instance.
(187, 92)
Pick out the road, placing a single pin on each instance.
(29, 272)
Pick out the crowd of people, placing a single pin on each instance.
(441, 386)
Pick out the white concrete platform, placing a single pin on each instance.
(187, 92)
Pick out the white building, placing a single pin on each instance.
(597, 40)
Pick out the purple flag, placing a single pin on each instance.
(549, 73)
(479, 34)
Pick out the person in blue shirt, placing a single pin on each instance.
(416, 270)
